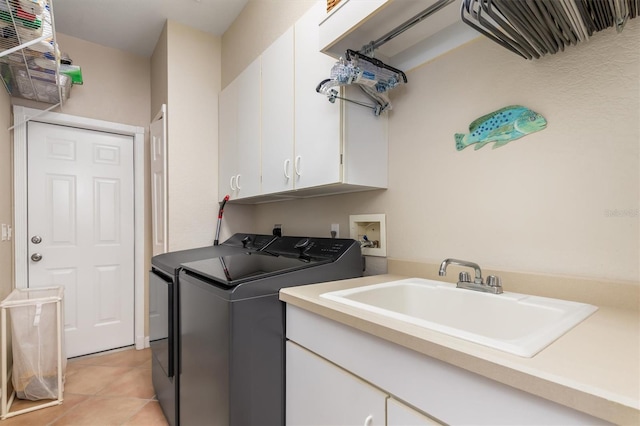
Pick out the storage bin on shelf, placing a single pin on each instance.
(39, 360)
(31, 65)
(331, 4)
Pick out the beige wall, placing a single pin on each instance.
(159, 69)
(193, 75)
(6, 190)
(259, 24)
(116, 83)
(540, 203)
(564, 200)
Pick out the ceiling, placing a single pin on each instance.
(135, 25)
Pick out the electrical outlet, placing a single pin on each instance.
(335, 230)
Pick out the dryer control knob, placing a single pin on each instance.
(302, 244)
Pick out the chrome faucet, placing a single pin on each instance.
(493, 284)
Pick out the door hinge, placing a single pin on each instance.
(341, 158)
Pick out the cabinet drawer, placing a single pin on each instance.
(320, 393)
(399, 414)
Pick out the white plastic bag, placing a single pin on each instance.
(35, 343)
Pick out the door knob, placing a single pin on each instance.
(36, 257)
(36, 239)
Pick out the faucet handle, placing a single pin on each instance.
(464, 277)
(494, 281)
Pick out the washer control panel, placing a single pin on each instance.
(310, 246)
(251, 242)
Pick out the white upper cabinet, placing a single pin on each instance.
(248, 164)
(277, 103)
(353, 24)
(280, 139)
(339, 147)
(318, 122)
(227, 140)
(239, 135)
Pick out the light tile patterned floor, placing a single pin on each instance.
(106, 389)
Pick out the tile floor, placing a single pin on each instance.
(106, 389)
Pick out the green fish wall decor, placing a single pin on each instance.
(501, 126)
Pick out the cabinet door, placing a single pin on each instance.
(399, 414)
(227, 140)
(320, 393)
(317, 121)
(248, 131)
(277, 115)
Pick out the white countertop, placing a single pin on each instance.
(594, 368)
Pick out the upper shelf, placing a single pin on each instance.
(29, 55)
(353, 24)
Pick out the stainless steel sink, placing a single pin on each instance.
(516, 323)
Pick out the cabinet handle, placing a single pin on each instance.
(296, 166)
(231, 183)
(368, 421)
(286, 168)
(238, 182)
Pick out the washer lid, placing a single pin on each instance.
(250, 266)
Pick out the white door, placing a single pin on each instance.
(81, 231)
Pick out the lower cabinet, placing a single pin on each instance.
(321, 393)
(337, 375)
(399, 414)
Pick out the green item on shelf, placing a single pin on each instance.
(34, 25)
(73, 71)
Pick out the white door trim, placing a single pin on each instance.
(164, 226)
(21, 266)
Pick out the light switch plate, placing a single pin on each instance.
(5, 232)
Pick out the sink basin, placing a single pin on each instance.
(516, 323)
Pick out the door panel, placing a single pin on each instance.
(61, 196)
(80, 203)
